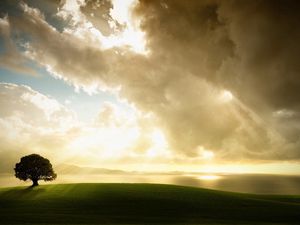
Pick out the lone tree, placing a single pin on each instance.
(34, 167)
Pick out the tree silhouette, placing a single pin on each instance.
(35, 168)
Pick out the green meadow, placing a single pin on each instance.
(68, 204)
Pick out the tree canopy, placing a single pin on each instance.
(34, 167)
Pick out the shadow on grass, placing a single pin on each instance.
(21, 192)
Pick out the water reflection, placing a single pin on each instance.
(261, 184)
(209, 177)
(249, 183)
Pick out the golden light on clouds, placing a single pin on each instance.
(226, 96)
(159, 144)
(205, 154)
(131, 36)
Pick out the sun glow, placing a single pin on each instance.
(226, 96)
(159, 145)
(205, 154)
(131, 36)
(105, 142)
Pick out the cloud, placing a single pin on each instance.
(197, 52)
(33, 108)
(31, 122)
(11, 58)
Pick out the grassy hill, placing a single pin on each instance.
(142, 204)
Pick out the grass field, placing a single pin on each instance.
(142, 204)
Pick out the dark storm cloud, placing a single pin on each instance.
(240, 45)
(268, 49)
(249, 47)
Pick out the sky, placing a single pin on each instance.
(138, 85)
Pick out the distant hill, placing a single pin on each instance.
(142, 204)
(73, 169)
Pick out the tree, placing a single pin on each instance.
(34, 167)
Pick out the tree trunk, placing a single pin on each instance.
(35, 182)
